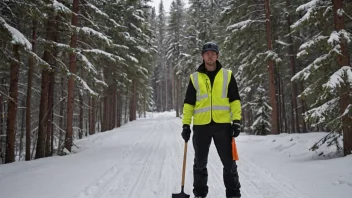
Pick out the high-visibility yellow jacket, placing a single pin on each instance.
(212, 100)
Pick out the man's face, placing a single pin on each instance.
(210, 58)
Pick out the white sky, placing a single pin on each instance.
(167, 4)
(144, 159)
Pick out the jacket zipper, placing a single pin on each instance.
(211, 98)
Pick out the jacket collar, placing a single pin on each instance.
(202, 69)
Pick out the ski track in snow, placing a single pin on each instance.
(143, 168)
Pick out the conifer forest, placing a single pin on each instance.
(73, 68)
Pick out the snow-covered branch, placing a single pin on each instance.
(90, 31)
(322, 111)
(106, 54)
(308, 5)
(317, 63)
(336, 79)
(243, 24)
(17, 37)
(314, 41)
(59, 7)
(101, 13)
(90, 66)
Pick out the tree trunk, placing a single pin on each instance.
(100, 115)
(92, 120)
(113, 106)
(302, 108)
(12, 106)
(292, 55)
(166, 88)
(2, 155)
(274, 117)
(90, 115)
(23, 113)
(81, 110)
(50, 115)
(29, 93)
(278, 97)
(119, 109)
(105, 116)
(126, 104)
(284, 117)
(43, 111)
(161, 95)
(133, 103)
(172, 87)
(70, 86)
(145, 104)
(80, 133)
(94, 114)
(61, 118)
(343, 60)
(40, 150)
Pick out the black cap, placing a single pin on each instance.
(210, 46)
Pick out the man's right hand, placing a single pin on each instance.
(186, 132)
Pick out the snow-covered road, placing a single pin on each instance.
(140, 159)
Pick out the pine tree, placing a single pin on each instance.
(325, 65)
(261, 124)
(174, 51)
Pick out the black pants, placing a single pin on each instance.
(221, 134)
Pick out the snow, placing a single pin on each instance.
(308, 5)
(336, 79)
(142, 49)
(334, 38)
(346, 35)
(273, 56)
(138, 17)
(101, 13)
(243, 24)
(106, 54)
(60, 7)
(316, 64)
(90, 66)
(85, 86)
(17, 36)
(100, 82)
(144, 159)
(121, 46)
(90, 31)
(132, 58)
(320, 113)
(282, 43)
(302, 53)
(340, 12)
(310, 9)
(97, 10)
(312, 42)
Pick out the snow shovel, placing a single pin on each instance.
(182, 194)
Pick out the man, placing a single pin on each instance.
(212, 99)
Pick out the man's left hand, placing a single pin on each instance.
(236, 128)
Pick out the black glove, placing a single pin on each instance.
(186, 132)
(236, 128)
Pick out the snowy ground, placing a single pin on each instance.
(144, 159)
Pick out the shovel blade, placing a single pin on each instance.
(180, 195)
